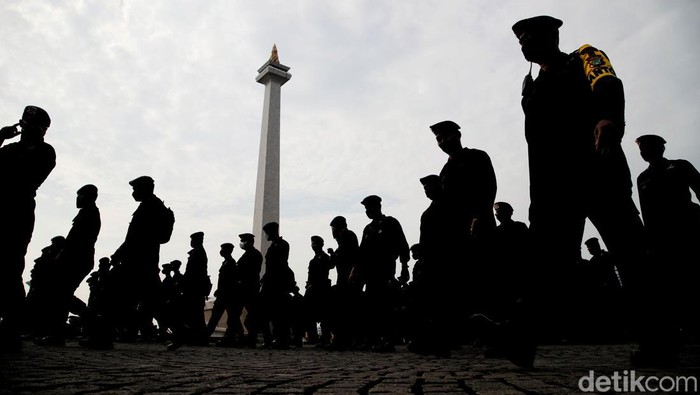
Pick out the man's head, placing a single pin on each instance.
(416, 251)
(176, 265)
(197, 239)
(246, 241)
(503, 211)
(538, 37)
(104, 263)
(593, 245)
(143, 188)
(448, 137)
(317, 243)
(35, 121)
(167, 269)
(373, 206)
(338, 225)
(651, 147)
(87, 195)
(226, 249)
(432, 185)
(271, 230)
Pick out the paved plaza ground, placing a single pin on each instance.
(141, 368)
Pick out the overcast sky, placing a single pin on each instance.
(167, 89)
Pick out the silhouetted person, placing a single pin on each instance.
(275, 293)
(136, 262)
(247, 291)
(383, 241)
(196, 286)
(172, 293)
(437, 275)
(75, 261)
(26, 164)
(42, 288)
(574, 123)
(346, 299)
(469, 186)
(226, 299)
(512, 261)
(600, 306)
(318, 293)
(672, 226)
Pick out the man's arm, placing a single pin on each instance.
(608, 97)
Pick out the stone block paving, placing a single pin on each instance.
(141, 368)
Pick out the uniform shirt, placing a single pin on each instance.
(319, 270)
(345, 257)
(249, 266)
(25, 167)
(665, 198)
(383, 241)
(196, 275)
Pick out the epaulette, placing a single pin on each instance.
(595, 62)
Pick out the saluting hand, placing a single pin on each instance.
(9, 132)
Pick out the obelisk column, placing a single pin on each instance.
(267, 192)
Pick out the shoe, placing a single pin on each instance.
(50, 341)
(96, 344)
(174, 345)
(228, 342)
(278, 345)
(383, 347)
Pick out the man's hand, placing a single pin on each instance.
(404, 277)
(607, 134)
(9, 132)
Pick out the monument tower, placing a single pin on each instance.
(267, 192)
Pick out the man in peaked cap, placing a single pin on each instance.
(248, 288)
(346, 295)
(383, 241)
(196, 286)
(672, 224)
(574, 124)
(468, 180)
(138, 258)
(75, 261)
(275, 293)
(25, 165)
(469, 187)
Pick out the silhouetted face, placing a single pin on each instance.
(317, 245)
(449, 141)
(373, 211)
(432, 190)
(31, 132)
(651, 152)
(196, 242)
(138, 193)
(502, 214)
(80, 200)
(224, 252)
(335, 231)
(593, 248)
(538, 46)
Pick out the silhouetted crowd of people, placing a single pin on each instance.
(479, 276)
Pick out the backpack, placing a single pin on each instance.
(166, 223)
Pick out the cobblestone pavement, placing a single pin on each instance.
(140, 368)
